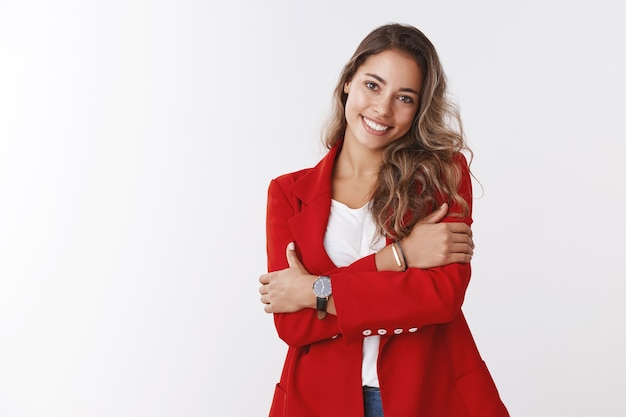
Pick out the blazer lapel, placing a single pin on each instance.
(314, 190)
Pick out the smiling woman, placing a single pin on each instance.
(369, 251)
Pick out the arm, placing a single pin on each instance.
(398, 300)
(433, 241)
(283, 288)
(430, 244)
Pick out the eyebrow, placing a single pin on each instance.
(382, 81)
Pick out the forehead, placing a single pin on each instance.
(395, 67)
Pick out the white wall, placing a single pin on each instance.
(137, 140)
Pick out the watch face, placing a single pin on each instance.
(322, 287)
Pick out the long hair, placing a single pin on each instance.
(421, 168)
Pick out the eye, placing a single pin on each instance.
(370, 85)
(406, 99)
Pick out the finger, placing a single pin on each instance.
(461, 258)
(268, 308)
(437, 215)
(292, 256)
(459, 227)
(470, 242)
(264, 279)
(462, 238)
(462, 248)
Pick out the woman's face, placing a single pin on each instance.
(383, 98)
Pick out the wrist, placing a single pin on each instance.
(322, 289)
(311, 299)
(402, 255)
(386, 260)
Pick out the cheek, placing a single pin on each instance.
(350, 113)
(354, 103)
(405, 118)
(348, 106)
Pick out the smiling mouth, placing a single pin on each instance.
(375, 126)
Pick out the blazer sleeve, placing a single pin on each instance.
(364, 297)
(302, 327)
(369, 301)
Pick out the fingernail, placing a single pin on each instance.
(291, 246)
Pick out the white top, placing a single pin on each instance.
(351, 235)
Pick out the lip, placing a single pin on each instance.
(372, 131)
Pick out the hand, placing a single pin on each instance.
(290, 289)
(432, 243)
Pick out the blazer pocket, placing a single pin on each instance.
(279, 402)
(479, 394)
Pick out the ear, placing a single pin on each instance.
(346, 87)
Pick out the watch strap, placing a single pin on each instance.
(321, 307)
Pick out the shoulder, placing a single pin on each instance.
(282, 184)
(285, 180)
(281, 188)
(462, 167)
(460, 159)
(309, 183)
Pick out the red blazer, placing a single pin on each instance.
(428, 363)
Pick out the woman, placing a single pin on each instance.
(369, 251)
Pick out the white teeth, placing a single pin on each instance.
(375, 126)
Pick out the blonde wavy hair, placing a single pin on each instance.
(421, 168)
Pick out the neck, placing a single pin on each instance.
(357, 163)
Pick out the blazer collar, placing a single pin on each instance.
(317, 183)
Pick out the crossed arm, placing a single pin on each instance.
(430, 244)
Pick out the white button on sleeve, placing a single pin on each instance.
(382, 332)
(367, 332)
(397, 331)
(413, 329)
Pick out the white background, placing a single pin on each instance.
(137, 140)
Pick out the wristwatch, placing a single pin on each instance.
(322, 289)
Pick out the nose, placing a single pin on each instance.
(383, 106)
